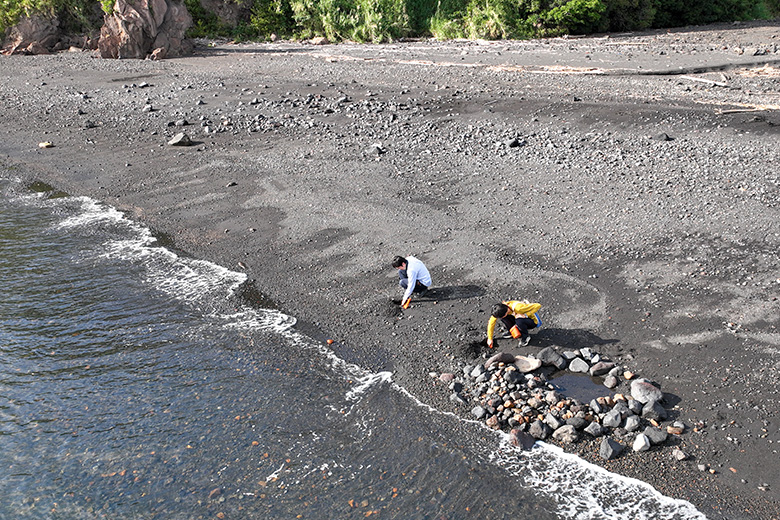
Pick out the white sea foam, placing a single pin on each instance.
(185, 279)
(366, 382)
(586, 491)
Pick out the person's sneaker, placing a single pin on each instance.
(423, 292)
(525, 341)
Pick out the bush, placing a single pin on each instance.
(359, 20)
(489, 19)
(420, 13)
(272, 17)
(628, 15)
(573, 17)
(678, 13)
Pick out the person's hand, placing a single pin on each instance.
(490, 343)
(406, 304)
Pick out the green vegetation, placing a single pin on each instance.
(387, 20)
(76, 16)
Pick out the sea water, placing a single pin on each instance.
(136, 383)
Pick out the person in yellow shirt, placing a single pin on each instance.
(518, 316)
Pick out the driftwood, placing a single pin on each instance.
(707, 81)
(741, 110)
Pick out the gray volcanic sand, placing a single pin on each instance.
(628, 183)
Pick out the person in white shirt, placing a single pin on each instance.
(413, 278)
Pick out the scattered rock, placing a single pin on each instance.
(566, 434)
(180, 139)
(539, 430)
(521, 439)
(500, 357)
(513, 393)
(633, 423)
(645, 392)
(579, 365)
(675, 429)
(552, 421)
(641, 443)
(578, 422)
(457, 399)
(601, 368)
(655, 435)
(610, 448)
(612, 419)
(594, 429)
(527, 364)
(374, 150)
(679, 454)
(654, 411)
(549, 357)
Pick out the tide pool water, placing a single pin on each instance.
(134, 383)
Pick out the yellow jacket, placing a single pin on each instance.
(520, 309)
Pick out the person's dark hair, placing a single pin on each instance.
(398, 261)
(499, 310)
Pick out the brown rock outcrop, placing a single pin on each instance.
(137, 28)
(33, 35)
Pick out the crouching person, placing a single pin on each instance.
(517, 316)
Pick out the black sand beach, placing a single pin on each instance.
(628, 183)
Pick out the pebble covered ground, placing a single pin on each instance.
(628, 183)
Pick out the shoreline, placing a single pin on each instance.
(634, 243)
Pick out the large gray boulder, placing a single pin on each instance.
(500, 357)
(645, 392)
(550, 357)
(140, 28)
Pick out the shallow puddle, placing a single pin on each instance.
(582, 387)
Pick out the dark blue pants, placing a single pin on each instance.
(404, 282)
(522, 323)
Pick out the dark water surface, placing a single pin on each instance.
(132, 385)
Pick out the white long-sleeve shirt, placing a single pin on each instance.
(415, 270)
